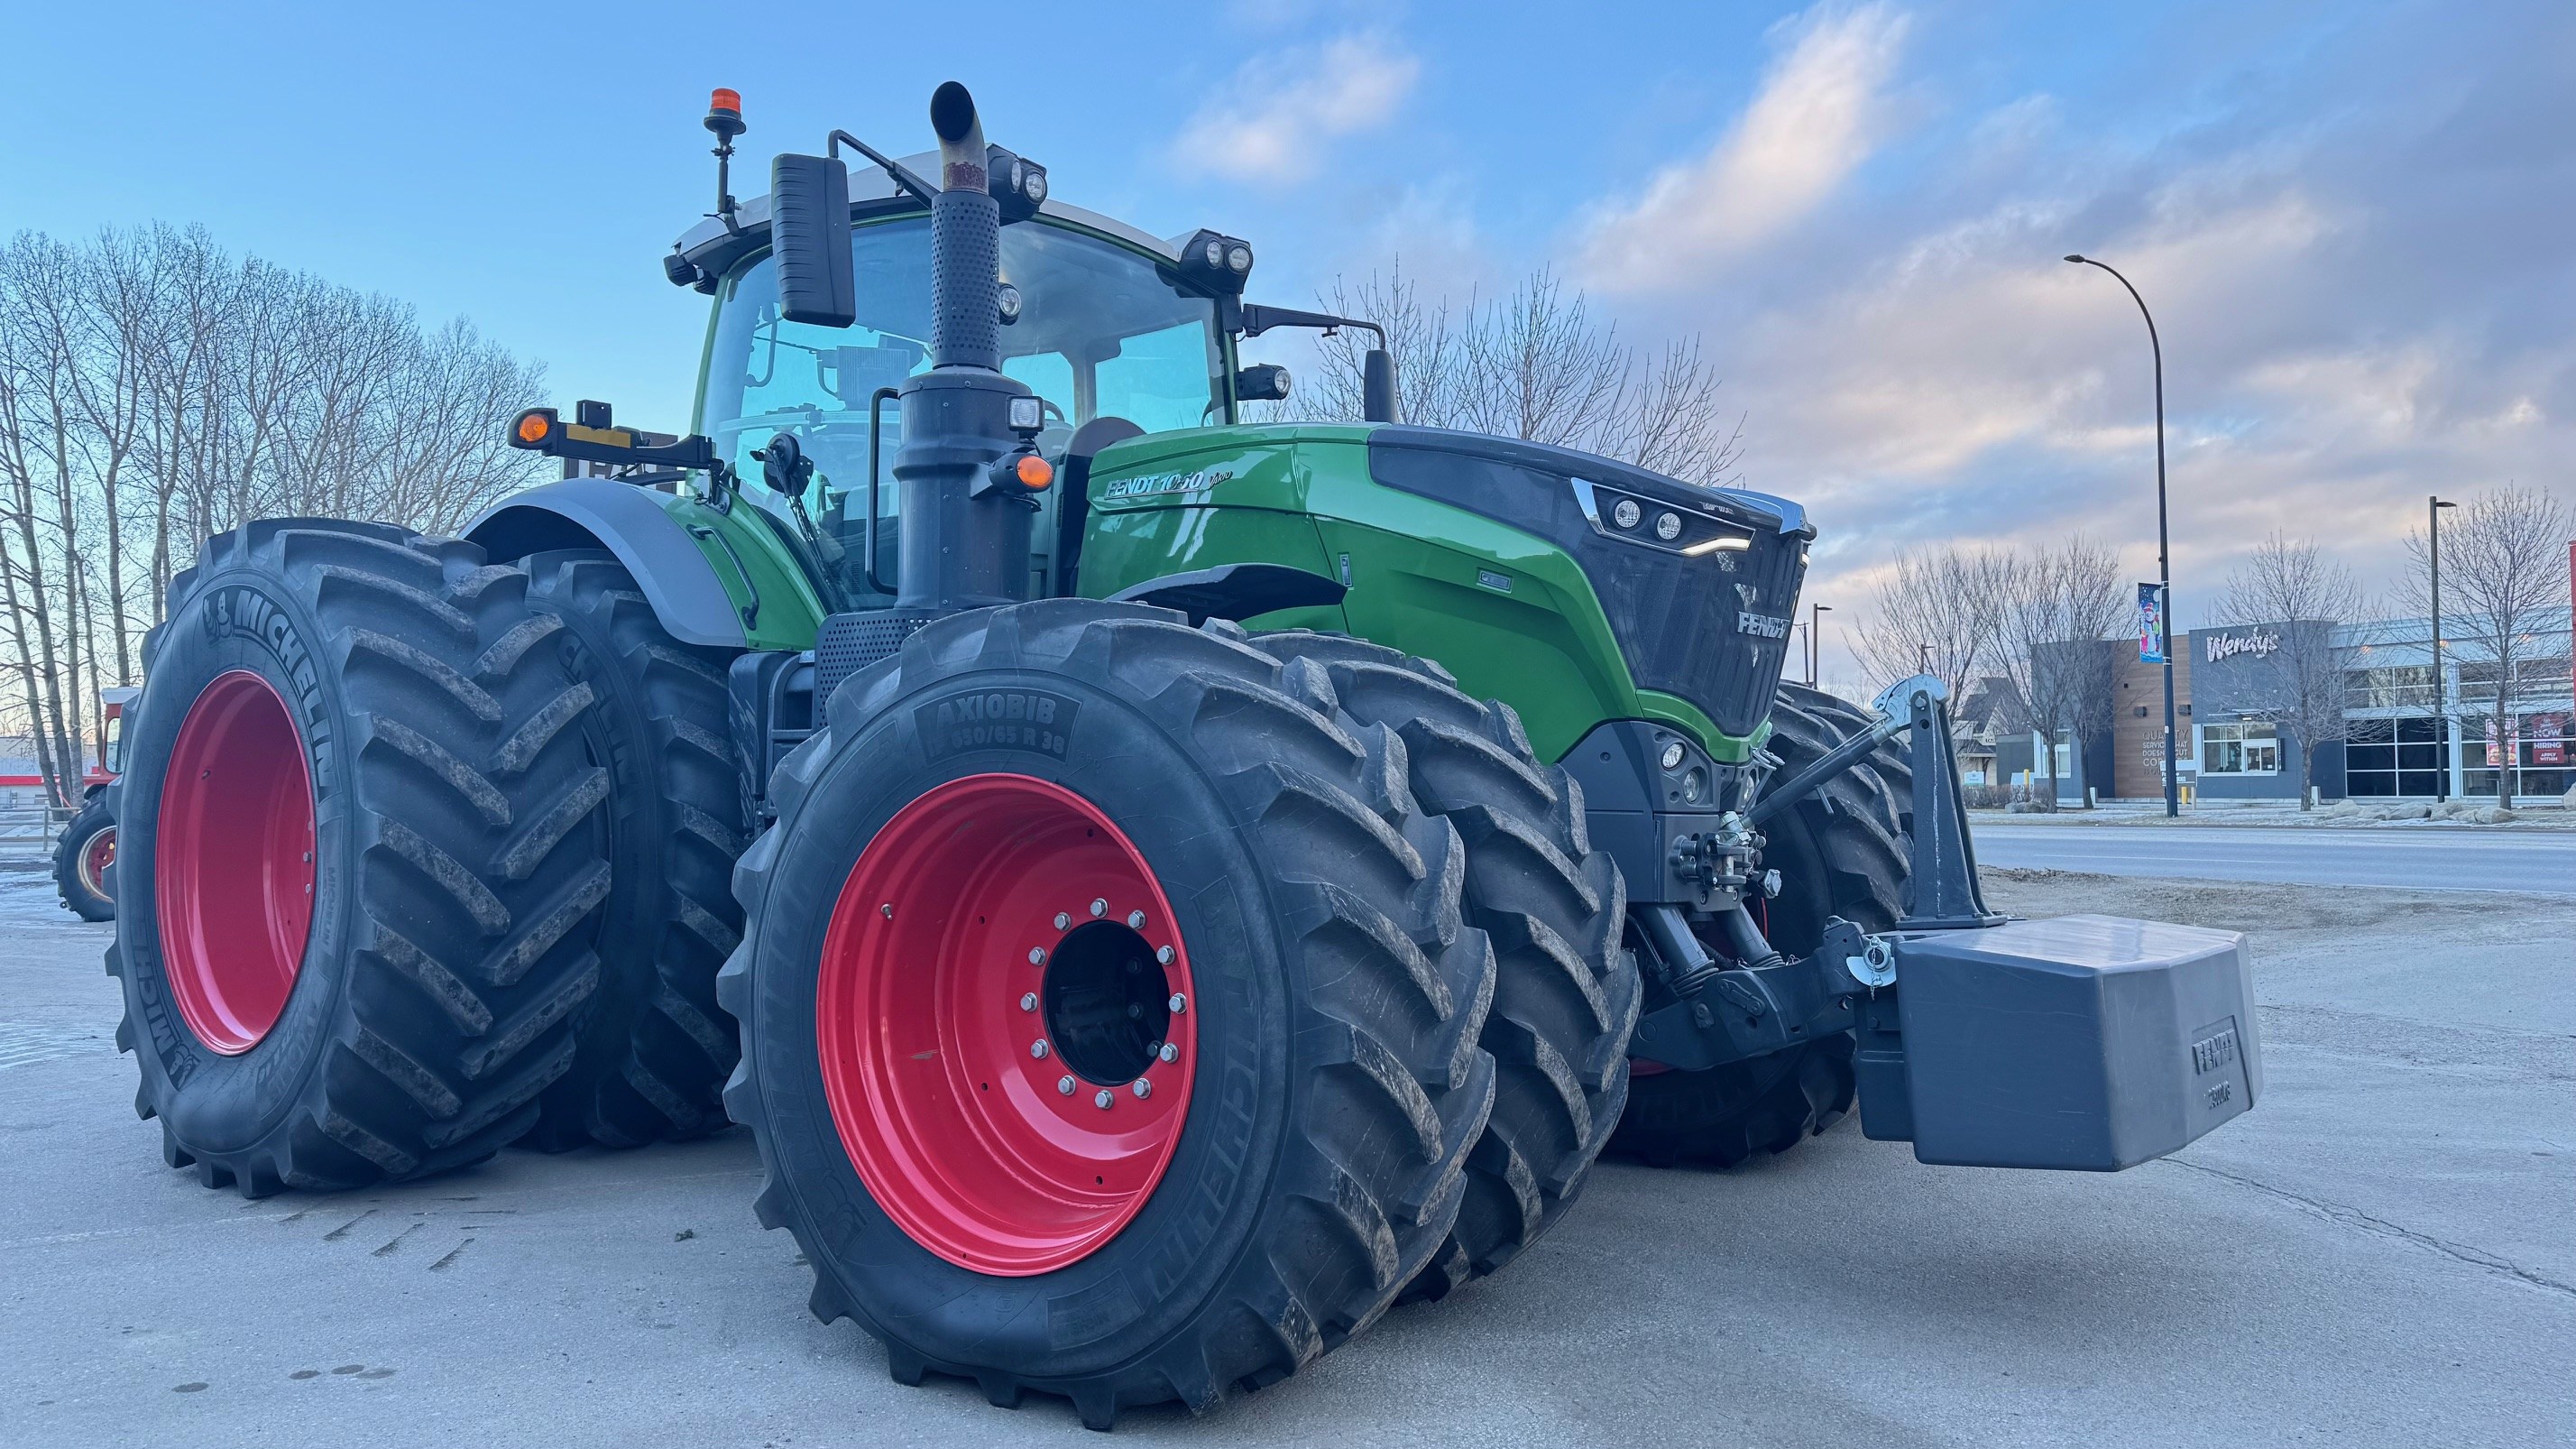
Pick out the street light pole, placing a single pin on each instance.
(2164, 546)
(2442, 740)
(1816, 642)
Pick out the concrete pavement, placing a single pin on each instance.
(2382, 1253)
(2455, 858)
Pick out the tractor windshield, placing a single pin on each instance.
(1100, 334)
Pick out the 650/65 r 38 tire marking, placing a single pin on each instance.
(996, 1023)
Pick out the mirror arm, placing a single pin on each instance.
(1258, 319)
(903, 175)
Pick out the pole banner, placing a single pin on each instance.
(2151, 624)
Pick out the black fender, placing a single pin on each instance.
(624, 519)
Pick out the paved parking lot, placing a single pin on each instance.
(2384, 1252)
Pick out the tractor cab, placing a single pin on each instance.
(1101, 322)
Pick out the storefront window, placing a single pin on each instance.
(2252, 747)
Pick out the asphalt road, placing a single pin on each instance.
(2382, 1253)
(2461, 858)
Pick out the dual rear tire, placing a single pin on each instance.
(361, 857)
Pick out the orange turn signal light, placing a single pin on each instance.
(534, 427)
(1033, 472)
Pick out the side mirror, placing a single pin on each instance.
(1261, 382)
(809, 237)
(784, 466)
(1377, 386)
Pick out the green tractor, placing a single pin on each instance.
(1160, 890)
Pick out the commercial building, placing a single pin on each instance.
(2390, 732)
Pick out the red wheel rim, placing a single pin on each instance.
(930, 1015)
(232, 862)
(95, 858)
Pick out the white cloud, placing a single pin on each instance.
(1270, 123)
(1816, 117)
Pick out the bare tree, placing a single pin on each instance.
(2504, 560)
(2058, 605)
(1939, 610)
(1535, 365)
(152, 387)
(2289, 583)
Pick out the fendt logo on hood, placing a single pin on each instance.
(1153, 483)
(1761, 626)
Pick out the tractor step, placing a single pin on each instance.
(2090, 1043)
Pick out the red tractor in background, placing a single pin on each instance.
(87, 846)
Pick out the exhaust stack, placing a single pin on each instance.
(966, 510)
(965, 240)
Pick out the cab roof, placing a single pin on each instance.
(714, 248)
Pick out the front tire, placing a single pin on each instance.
(82, 859)
(360, 862)
(1295, 1159)
(1565, 995)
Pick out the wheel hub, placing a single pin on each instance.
(95, 858)
(1004, 1021)
(233, 862)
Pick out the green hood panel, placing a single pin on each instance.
(1511, 614)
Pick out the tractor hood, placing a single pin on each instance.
(1699, 584)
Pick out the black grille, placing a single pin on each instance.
(1701, 627)
(848, 643)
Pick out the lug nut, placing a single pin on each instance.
(1164, 956)
(1179, 1003)
(1037, 955)
(1100, 908)
(1038, 1048)
(1169, 1053)
(1143, 1089)
(1135, 919)
(1064, 1086)
(1029, 1001)
(1062, 920)
(1105, 1100)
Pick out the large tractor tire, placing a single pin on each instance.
(1109, 1027)
(361, 863)
(654, 1046)
(1565, 994)
(82, 857)
(1840, 852)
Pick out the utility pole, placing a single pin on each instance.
(2442, 731)
(2164, 545)
(1816, 642)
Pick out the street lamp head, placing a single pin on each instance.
(2444, 503)
(2075, 256)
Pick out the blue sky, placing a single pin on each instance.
(2353, 220)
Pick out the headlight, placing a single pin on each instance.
(1693, 785)
(1673, 755)
(1215, 254)
(1626, 513)
(1010, 303)
(1239, 257)
(1033, 185)
(1668, 526)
